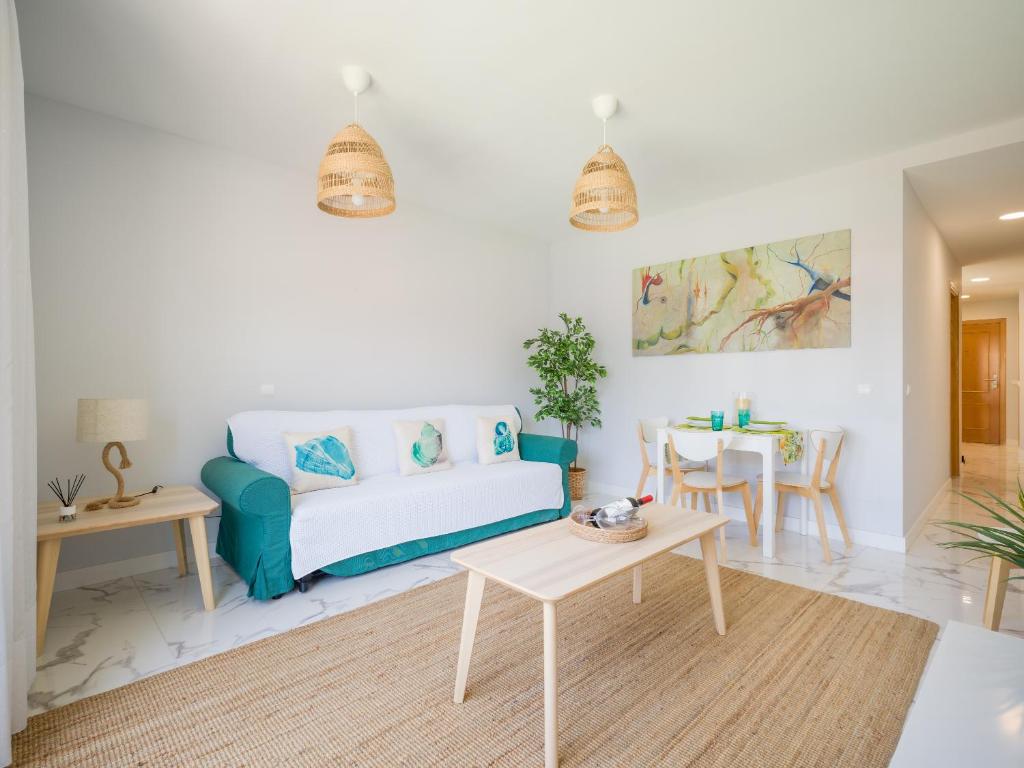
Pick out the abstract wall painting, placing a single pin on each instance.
(793, 294)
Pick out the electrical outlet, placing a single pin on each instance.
(863, 389)
(267, 389)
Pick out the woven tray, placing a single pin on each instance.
(590, 533)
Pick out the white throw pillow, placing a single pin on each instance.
(321, 459)
(422, 446)
(496, 439)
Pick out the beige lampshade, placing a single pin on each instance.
(604, 199)
(111, 421)
(355, 180)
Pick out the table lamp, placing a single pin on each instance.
(113, 422)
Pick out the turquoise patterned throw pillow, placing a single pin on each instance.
(321, 459)
(422, 446)
(496, 439)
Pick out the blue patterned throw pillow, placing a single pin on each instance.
(496, 439)
(321, 459)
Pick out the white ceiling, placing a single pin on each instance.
(1006, 278)
(483, 108)
(965, 196)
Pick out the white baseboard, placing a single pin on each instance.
(926, 513)
(866, 538)
(96, 574)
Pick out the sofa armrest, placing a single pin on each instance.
(244, 487)
(553, 450)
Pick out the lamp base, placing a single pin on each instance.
(119, 500)
(113, 503)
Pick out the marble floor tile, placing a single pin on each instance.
(106, 635)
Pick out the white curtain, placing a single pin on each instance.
(17, 400)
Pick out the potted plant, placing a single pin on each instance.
(564, 361)
(1004, 540)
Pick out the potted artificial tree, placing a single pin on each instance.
(568, 374)
(1003, 539)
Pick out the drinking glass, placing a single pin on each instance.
(717, 420)
(743, 417)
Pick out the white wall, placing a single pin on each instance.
(591, 274)
(1007, 309)
(928, 270)
(191, 275)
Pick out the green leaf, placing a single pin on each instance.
(568, 373)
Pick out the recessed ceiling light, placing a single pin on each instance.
(980, 279)
(965, 295)
(1012, 216)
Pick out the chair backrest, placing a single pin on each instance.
(827, 442)
(649, 428)
(700, 445)
(833, 438)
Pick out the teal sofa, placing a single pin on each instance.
(256, 518)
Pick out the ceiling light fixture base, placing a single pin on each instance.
(356, 78)
(605, 106)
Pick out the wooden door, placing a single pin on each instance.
(954, 384)
(984, 344)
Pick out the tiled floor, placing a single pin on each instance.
(109, 634)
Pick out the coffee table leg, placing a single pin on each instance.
(474, 596)
(710, 555)
(550, 687)
(638, 583)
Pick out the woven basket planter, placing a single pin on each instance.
(604, 199)
(577, 483)
(355, 180)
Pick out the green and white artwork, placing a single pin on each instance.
(793, 294)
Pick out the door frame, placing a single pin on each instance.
(1001, 321)
(954, 381)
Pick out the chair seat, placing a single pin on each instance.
(708, 480)
(796, 480)
(689, 466)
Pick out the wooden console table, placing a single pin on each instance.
(171, 505)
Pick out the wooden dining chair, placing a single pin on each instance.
(647, 433)
(828, 444)
(703, 446)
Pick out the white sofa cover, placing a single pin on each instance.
(385, 509)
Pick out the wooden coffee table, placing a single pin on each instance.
(548, 563)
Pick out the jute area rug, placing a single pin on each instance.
(800, 679)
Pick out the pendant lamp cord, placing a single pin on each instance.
(604, 131)
(355, 107)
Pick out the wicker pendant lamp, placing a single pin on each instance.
(604, 199)
(355, 180)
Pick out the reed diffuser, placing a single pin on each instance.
(66, 495)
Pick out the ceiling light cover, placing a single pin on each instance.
(355, 180)
(604, 199)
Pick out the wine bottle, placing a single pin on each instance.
(624, 507)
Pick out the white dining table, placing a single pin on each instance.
(767, 446)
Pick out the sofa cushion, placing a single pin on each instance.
(386, 510)
(257, 435)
